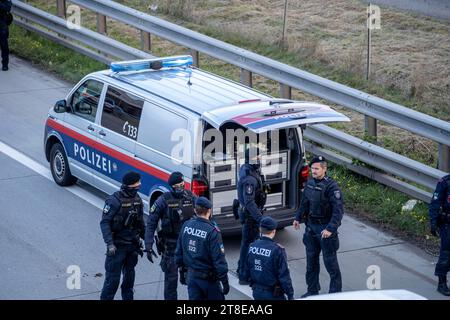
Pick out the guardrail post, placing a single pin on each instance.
(61, 8)
(246, 78)
(285, 91)
(370, 125)
(101, 23)
(444, 158)
(195, 58)
(146, 41)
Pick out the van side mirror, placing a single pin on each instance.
(61, 106)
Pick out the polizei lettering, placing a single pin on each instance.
(260, 251)
(91, 157)
(195, 232)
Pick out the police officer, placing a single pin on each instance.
(201, 254)
(267, 269)
(122, 227)
(322, 209)
(173, 209)
(252, 199)
(440, 222)
(5, 14)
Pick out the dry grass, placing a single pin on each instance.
(409, 54)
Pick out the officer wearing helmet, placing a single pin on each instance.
(322, 209)
(123, 228)
(252, 198)
(267, 268)
(200, 253)
(172, 208)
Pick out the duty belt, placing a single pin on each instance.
(261, 287)
(319, 220)
(203, 274)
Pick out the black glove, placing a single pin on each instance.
(225, 287)
(434, 230)
(183, 272)
(151, 253)
(111, 250)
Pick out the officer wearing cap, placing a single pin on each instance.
(267, 269)
(200, 254)
(322, 209)
(439, 211)
(252, 199)
(172, 208)
(123, 228)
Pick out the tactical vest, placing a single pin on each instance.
(129, 216)
(178, 211)
(319, 205)
(446, 200)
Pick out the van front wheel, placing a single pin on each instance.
(59, 166)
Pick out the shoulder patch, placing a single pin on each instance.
(106, 208)
(249, 189)
(337, 194)
(435, 196)
(153, 208)
(222, 248)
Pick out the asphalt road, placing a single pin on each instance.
(434, 8)
(45, 229)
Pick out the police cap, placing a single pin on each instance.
(130, 178)
(175, 178)
(269, 223)
(317, 159)
(203, 202)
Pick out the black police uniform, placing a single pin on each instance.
(200, 250)
(123, 225)
(252, 199)
(5, 8)
(322, 208)
(439, 211)
(173, 209)
(267, 270)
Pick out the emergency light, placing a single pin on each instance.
(154, 64)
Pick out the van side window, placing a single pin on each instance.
(164, 130)
(85, 99)
(122, 112)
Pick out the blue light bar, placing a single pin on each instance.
(154, 64)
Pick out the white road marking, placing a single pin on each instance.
(88, 197)
(45, 172)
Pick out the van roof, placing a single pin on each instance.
(191, 88)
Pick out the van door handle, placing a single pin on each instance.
(90, 128)
(102, 133)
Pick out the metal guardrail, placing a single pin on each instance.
(395, 114)
(104, 48)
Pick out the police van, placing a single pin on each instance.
(162, 115)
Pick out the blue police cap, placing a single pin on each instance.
(130, 178)
(203, 202)
(269, 223)
(317, 159)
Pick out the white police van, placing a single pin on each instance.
(162, 115)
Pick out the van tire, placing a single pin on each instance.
(59, 166)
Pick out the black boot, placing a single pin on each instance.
(442, 286)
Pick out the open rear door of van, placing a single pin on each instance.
(262, 116)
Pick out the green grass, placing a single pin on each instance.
(371, 200)
(65, 62)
